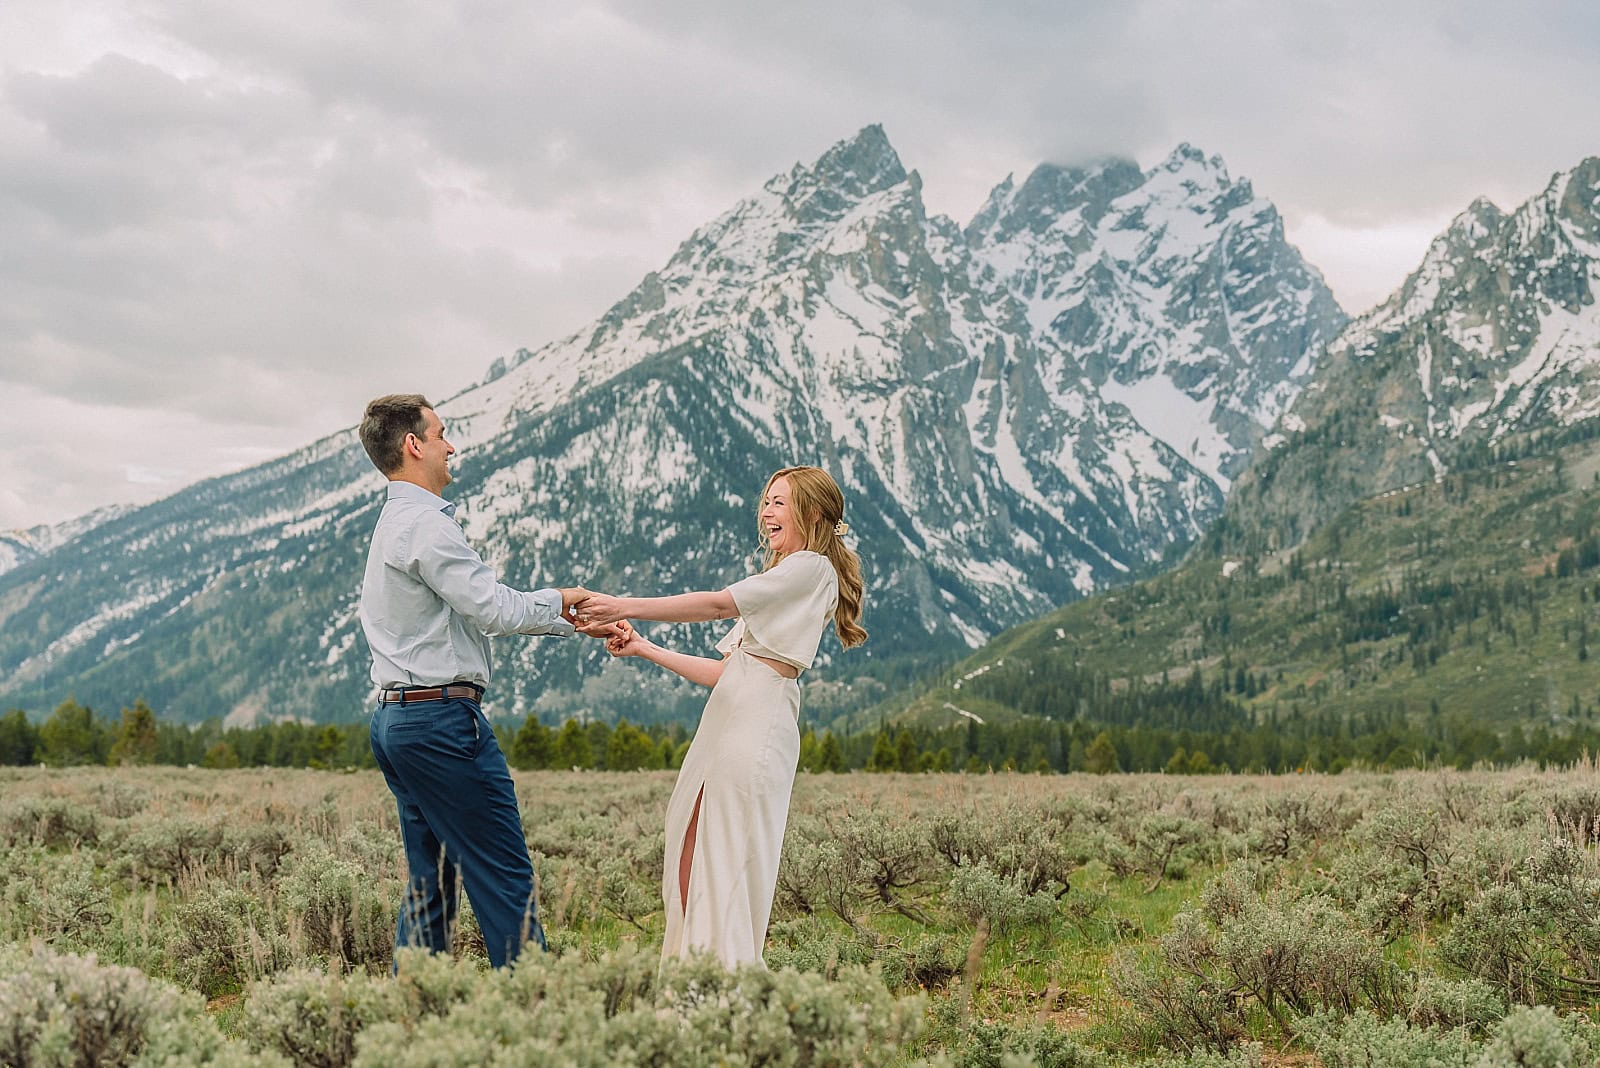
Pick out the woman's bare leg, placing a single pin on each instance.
(686, 858)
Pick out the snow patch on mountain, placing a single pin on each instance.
(1186, 422)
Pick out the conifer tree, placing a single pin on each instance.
(832, 756)
(533, 745)
(631, 749)
(137, 740)
(70, 736)
(572, 749)
(18, 738)
(884, 757)
(905, 752)
(1101, 756)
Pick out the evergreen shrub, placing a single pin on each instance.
(624, 1008)
(978, 892)
(49, 821)
(223, 937)
(312, 1017)
(62, 1011)
(336, 912)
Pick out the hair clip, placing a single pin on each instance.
(841, 528)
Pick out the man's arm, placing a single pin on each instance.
(456, 572)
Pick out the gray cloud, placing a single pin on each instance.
(241, 220)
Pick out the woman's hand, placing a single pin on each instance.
(603, 631)
(626, 641)
(599, 608)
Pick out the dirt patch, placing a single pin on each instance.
(1071, 1018)
(219, 1005)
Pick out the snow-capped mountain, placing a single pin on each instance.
(827, 319)
(1173, 289)
(1495, 335)
(17, 547)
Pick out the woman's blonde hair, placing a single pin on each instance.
(818, 506)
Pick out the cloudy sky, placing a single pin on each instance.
(225, 224)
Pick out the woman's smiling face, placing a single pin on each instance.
(779, 521)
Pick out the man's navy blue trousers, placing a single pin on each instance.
(458, 809)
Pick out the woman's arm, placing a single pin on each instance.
(700, 670)
(679, 608)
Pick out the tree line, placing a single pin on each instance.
(1209, 742)
(75, 735)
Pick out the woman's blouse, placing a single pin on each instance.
(783, 610)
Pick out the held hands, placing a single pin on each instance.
(598, 608)
(626, 642)
(620, 637)
(604, 631)
(571, 596)
(600, 615)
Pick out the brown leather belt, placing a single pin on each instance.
(413, 694)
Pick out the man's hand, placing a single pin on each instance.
(570, 596)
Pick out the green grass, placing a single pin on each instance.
(1051, 972)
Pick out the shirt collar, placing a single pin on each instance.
(410, 491)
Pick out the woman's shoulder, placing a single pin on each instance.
(807, 559)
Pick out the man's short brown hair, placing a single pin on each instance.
(385, 425)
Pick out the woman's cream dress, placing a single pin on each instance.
(744, 756)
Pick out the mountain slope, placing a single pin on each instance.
(1461, 606)
(1495, 335)
(17, 547)
(828, 318)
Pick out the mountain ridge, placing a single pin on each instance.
(828, 316)
(1496, 333)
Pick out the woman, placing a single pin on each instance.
(726, 819)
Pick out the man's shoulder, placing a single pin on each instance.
(429, 522)
(404, 520)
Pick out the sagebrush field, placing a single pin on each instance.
(186, 917)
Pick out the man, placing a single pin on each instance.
(428, 606)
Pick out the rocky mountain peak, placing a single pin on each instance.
(1140, 279)
(1189, 177)
(1495, 334)
(846, 174)
(1187, 155)
(856, 185)
(1580, 198)
(1052, 196)
(861, 165)
(1455, 249)
(1468, 229)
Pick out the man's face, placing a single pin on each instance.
(436, 452)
